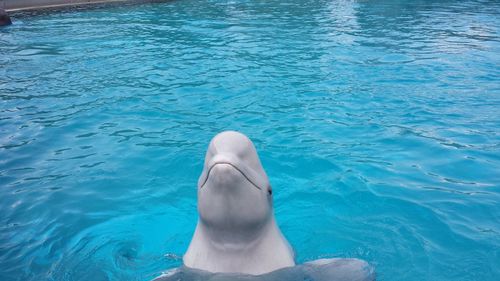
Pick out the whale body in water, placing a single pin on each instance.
(237, 237)
(318, 270)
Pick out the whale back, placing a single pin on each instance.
(320, 270)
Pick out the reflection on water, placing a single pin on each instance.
(377, 122)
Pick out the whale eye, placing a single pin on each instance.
(269, 190)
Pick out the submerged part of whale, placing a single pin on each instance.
(319, 270)
(4, 18)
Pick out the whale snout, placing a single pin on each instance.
(222, 168)
(223, 159)
(224, 174)
(227, 167)
(231, 159)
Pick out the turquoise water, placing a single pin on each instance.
(377, 122)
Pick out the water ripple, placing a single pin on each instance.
(377, 122)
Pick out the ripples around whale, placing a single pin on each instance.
(319, 270)
(377, 121)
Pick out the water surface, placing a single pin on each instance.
(377, 122)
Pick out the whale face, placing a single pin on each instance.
(236, 230)
(234, 193)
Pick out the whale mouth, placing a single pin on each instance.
(247, 177)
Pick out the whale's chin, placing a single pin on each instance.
(228, 200)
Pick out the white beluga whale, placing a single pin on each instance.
(237, 237)
(236, 230)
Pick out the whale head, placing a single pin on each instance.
(233, 190)
(236, 230)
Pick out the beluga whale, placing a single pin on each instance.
(237, 230)
(236, 236)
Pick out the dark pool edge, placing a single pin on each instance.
(4, 18)
(31, 5)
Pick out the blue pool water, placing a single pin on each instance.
(378, 123)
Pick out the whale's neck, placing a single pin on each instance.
(251, 252)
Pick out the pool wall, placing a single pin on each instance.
(15, 5)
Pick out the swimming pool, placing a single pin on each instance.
(377, 122)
